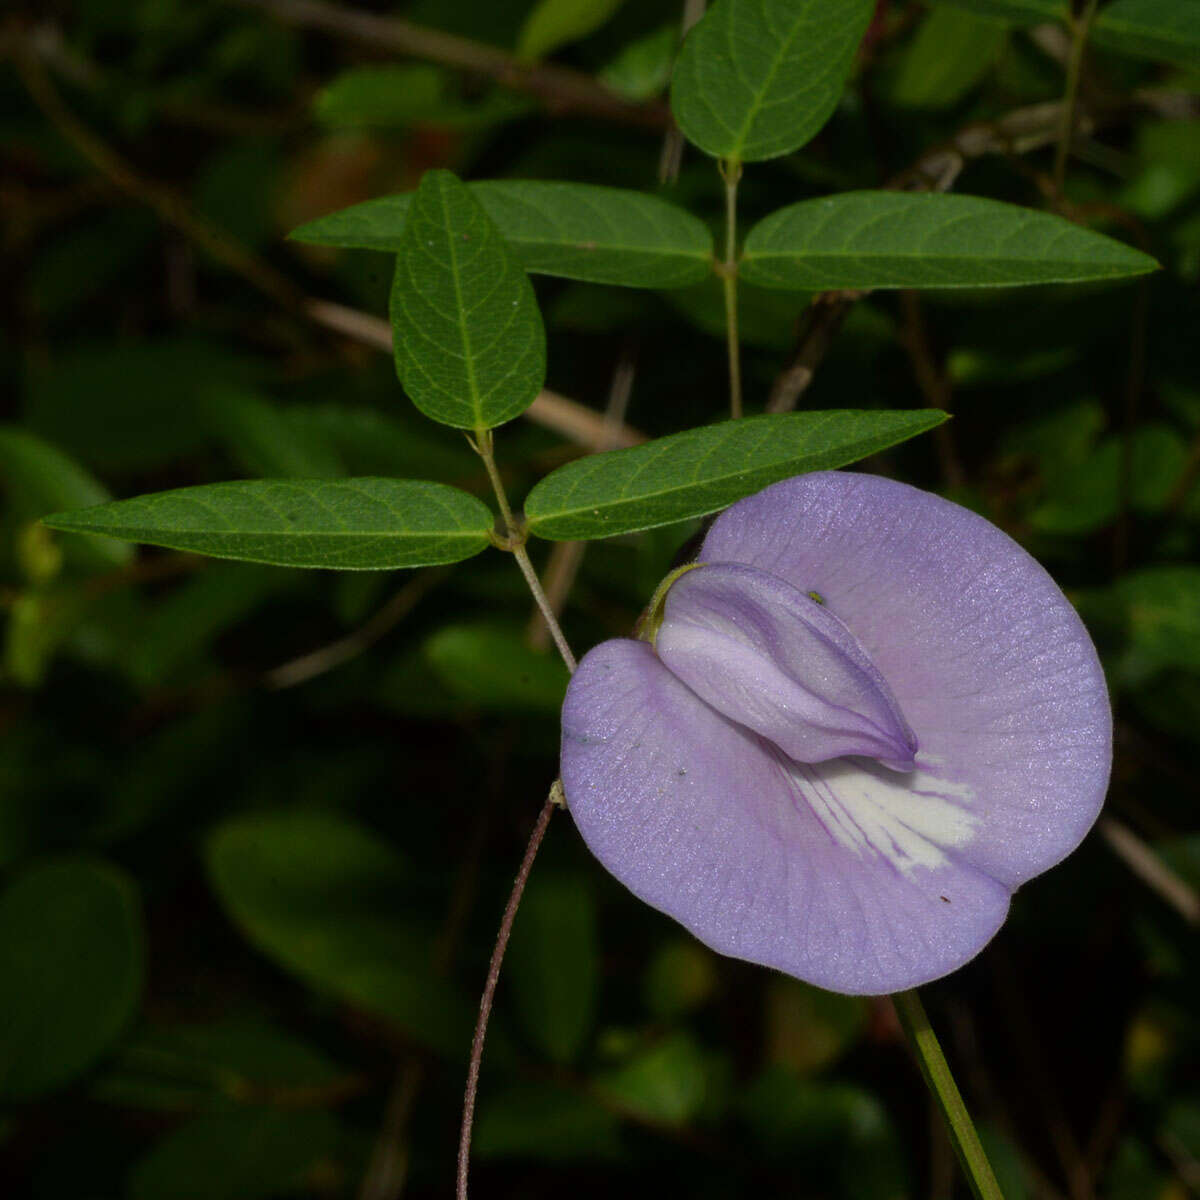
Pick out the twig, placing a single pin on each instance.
(824, 318)
(1151, 869)
(564, 416)
(934, 385)
(489, 992)
(317, 662)
(568, 417)
(566, 557)
(1066, 130)
(560, 89)
(731, 172)
(670, 158)
(169, 206)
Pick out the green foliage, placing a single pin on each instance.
(951, 53)
(894, 239)
(71, 942)
(220, 1067)
(489, 666)
(577, 231)
(758, 78)
(39, 479)
(324, 850)
(355, 525)
(555, 23)
(243, 1156)
(1166, 30)
(697, 472)
(333, 904)
(470, 347)
(553, 965)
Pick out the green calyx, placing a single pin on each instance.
(651, 620)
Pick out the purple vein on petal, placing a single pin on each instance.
(770, 657)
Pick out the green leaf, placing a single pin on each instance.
(470, 346)
(490, 666)
(554, 23)
(643, 68)
(351, 525)
(39, 479)
(71, 942)
(228, 1065)
(1161, 606)
(398, 95)
(952, 52)
(553, 964)
(903, 240)
(758, 78)
(1166, 30)
(264, 441)
(699, 471)
(573, 230)
(236, 1156)
(335, 905)
(666, 1083)
(1021, 12)
(545, 1122)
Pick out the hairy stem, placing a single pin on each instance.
(944, 1090)
(731, 172)
(489, 992)
(1067, 127)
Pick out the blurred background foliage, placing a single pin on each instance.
(257, 825)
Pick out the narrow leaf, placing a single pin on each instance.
(952, 52)
(574, 230)
(697, 472)
(758, 78)
(39, 478)
(1167, 30)
(554, 23)
(1020, 12)
(350, 525)
(470, 346)
(903, 240)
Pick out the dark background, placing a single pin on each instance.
(247, 897)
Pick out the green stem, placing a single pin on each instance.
(731, 172)
(514, 542)
(1074, 65)
(941, 1085)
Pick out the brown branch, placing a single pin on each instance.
(560, 89)
(821, 323)
(934, 384)
(564, 416)
(570, 418)
(317, 662)
(489, 991)
(1150, 869)
(566, 557)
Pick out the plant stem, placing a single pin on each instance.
(731, 172)
(515, 543)
(1079, 39)
(489, 993)
(945, 1091)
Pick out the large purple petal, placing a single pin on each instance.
(844, 873)
(770, 657)
(985, 656)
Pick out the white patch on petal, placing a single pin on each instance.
(910, 820)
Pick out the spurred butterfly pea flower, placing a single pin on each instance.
(855, 726)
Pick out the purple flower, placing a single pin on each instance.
(865, 717)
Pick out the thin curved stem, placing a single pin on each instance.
(731, 172)
(944, 1090)
(489, 992)
(1074, 66)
